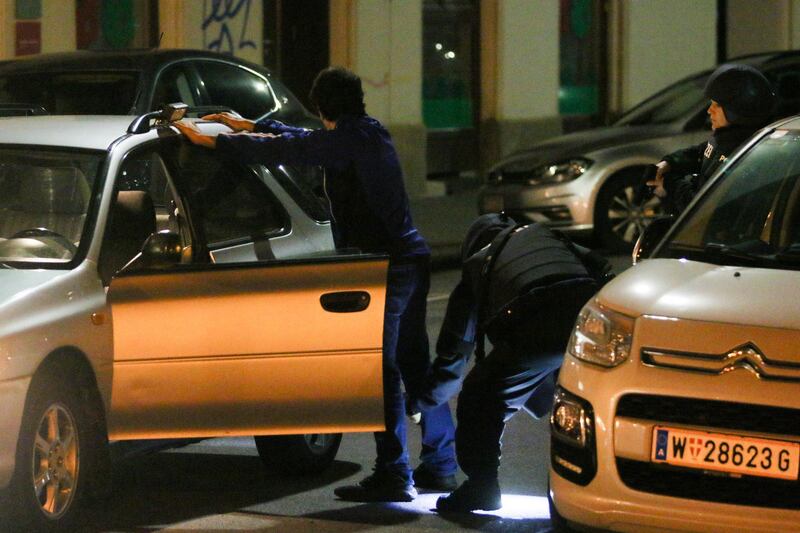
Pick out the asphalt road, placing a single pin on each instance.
(221, 485)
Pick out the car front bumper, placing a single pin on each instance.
(568, 206)
(608, 501)
(12, 404)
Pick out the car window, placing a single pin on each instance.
(174, 85)
(669, 105)
(73, 93)
(752, 213)
(44, 203)
(305, 185)
(144, 202)
(227, 200)
(238, 88)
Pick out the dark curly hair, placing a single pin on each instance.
(336, 92)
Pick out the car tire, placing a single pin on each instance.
(58, 451)
(619, 218)
(299, 455)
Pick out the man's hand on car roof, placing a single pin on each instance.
(234, 122)
(192, 133)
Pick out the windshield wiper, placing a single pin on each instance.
(790, 255)
(728, 252)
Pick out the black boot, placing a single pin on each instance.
(381, 486)
(471, 496)
(425, 479)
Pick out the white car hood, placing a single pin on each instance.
(16, 283)
(692, 290)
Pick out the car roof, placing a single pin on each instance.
(137, 59)
(94, 132)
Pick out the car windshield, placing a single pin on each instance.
(73, 93)
(751, 216)
(44, 201)
(674, 103)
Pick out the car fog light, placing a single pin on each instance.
(570, 419)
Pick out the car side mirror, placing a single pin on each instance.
(650, 237)
(161, 250)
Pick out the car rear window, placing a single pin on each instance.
(73, 93)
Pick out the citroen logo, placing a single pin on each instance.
(748, 357)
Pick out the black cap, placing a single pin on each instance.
(745, 95)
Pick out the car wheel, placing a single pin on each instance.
(56, 452)
(299, 454)
(619, 217)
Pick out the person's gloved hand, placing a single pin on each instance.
(657, 181)
(412, 410)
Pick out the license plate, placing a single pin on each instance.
(493, 203)
(725, 453)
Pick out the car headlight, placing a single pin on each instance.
(601, 336)
(549, 174)
(559, 172)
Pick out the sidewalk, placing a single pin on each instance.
(443, 221)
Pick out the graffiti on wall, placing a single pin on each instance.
(226, 26)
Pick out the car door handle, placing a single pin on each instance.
(345, 302)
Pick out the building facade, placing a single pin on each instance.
(459, 83)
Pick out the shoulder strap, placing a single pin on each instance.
(495, 247)
(598, 266)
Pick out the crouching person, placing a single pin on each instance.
(521, 286)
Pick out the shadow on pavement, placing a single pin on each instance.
(168, 488)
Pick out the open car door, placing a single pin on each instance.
(248, 349)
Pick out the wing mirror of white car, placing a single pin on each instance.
(161, 250)
(650, 237)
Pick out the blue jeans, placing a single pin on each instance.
(405, 362)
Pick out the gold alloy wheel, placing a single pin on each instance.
(56, 461)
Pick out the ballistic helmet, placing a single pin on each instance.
(745, 95)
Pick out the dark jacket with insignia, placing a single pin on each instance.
(690, 168)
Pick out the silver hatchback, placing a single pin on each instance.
(151, 290)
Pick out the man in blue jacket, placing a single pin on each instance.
(370, 211)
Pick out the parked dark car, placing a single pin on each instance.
(133, 82)
(584, 182)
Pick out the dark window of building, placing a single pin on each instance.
(116, 24)
(450, 64)
(582, 49)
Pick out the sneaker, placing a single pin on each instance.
(425, 479)
(379, 487)
(471, 496)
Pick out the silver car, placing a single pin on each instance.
(587, 182)
(150, 289)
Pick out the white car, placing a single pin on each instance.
(151, 290)
(678, 404)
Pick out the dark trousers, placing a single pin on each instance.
(494, 390)
(405, 362)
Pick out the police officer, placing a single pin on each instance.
(742, 102)
(524, 287)
(370, 211)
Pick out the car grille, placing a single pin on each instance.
(712, 414)
(698, 485)
(746, 357)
